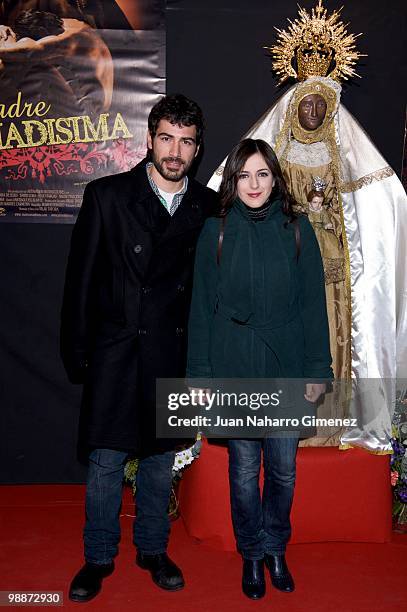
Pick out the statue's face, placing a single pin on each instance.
(311, 111)
(316, 203)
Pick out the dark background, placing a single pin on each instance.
(215, 56)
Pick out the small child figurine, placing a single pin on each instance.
(321, 221)
(318, 214)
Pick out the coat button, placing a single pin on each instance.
(191, 249)
(146, 290)
(179, 331)
(195, 206)
(142, 331)
(138, 248)
(180, 288)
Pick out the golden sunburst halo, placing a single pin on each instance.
(316, 41)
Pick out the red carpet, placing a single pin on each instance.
(41, 550)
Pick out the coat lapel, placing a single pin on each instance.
(188, 216)
(140, 198)
(146, 208)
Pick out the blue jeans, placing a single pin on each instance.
(262, 524)
(103, 500)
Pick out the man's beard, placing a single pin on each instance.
(168, 174)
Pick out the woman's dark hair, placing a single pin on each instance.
(37, 24)
(234, 165)
(178, 110)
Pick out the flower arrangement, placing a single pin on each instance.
(398, 463)
(183, 458)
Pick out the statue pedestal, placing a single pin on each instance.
(340, 496)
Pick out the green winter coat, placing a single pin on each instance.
(260, 313)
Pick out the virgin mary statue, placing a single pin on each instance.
(318, 141)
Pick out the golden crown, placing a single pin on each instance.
(315, 41)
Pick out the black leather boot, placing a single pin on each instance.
(88, 581)
(253, 583)
(163, 571)
(280, 575)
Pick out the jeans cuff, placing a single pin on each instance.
(98, 562)
(277, 553)
(252, 557)
(158, 551)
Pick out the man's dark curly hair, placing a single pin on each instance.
(37, 24)
(178, 110)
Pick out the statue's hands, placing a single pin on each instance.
(45, 48)
(313, 391)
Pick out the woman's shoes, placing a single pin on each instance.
(253, 583)
(280, 575)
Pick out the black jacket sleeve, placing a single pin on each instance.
(82, 260)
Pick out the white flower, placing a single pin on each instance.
(178, 462)
(182, 459)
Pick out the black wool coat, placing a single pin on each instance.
(126, 305)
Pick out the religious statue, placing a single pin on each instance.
(361, 226)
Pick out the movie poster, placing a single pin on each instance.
(77, 81)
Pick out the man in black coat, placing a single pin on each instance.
(124, 318)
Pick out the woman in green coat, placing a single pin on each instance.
(258, 311)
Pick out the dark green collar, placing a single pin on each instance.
(241, 208)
